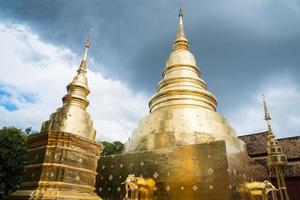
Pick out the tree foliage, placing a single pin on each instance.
(112, 148)
(13, 157)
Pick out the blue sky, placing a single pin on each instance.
(243, 48)
(8, 105)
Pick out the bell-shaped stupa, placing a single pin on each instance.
(63, 157)
(182, 111)
(72, 117)
(183, 147)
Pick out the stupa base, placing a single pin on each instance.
(60, 166)
(51, 194)
(199, 171)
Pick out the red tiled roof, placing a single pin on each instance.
(256, 145)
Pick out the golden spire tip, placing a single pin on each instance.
(180, 42)
(180, 12)
(88, 39)
(87, 44)
(267, 117)
(267, 114)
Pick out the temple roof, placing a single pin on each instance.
(257, 145)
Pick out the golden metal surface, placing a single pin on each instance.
(182, 112)
(276, 158)
(183, 149)
(63, 157)
(58, 184)
(138, 188)
(53, 194)
(190, 172)
(257, 190)
(61, 166)
(72, 117)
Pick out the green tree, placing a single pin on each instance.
(112, 148)
(13, 157)
(119, 146)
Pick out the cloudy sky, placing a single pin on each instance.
(245, 48)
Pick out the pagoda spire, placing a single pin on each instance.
(78, 88)
(180, 30)
(181, 85)
(87, 45)
(63, 157)
(268, 119)
(276, 159)
(72, 117)
(180, 42)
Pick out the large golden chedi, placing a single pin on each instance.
(182, 111)
(183, 146)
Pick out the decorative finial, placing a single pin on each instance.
(276, 158)
(268, 118)
(180, 12)
(181, 42)
(267, 114)
(88, 40)
(87, 45)
(180, 31)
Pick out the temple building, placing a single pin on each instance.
(63, 156)
(183, 111)
(280, 157)
(183, 149)
(256, 144)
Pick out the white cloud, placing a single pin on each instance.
(35, 73)
(283, 97)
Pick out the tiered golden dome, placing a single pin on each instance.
(181, 85)
(72, 117)
(182, 111)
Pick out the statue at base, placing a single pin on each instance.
(138, 188)
(260, 190)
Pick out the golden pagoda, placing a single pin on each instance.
(276, 159)
(72, 117)
(63, 156)
(183, 148)
(182, 111)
